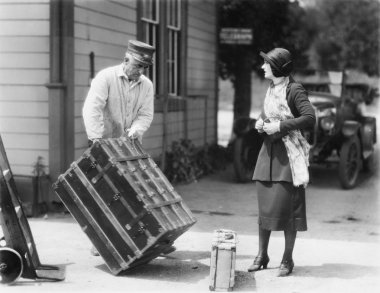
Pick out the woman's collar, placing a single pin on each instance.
(280, 81)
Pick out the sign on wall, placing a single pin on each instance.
(236, 36)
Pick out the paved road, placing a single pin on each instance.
(339, 253)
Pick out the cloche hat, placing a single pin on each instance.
(280, 61)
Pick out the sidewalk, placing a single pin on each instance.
(330, 262)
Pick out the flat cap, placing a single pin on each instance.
(140, 51)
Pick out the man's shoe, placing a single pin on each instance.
(94, 252)
(260, 261)
(286, 267)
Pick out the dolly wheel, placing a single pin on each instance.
(10, 265)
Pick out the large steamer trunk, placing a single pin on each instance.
(124, 203)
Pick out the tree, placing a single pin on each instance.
(348, 35)
(275, 23)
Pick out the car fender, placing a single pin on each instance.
(350, 128)
(243, 125)
(368, 135)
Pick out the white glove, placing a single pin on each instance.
(259, 125)
(271, 127)
(132, 133)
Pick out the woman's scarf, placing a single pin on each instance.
(276, 108)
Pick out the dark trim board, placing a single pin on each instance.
(61, 87)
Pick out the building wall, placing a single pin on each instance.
(104, 28)
(197, 118)
(24, 71)
(201, 69)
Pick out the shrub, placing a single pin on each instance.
(187, 163)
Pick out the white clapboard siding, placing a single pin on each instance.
(24, 109)
(29, 93)
(201, 54)
(80, 141)
(78, 109)
(199, 34)
(82, 61)
(113, 8)
(103, 35)
(24, 10)
(201, 70)
(25, 141)
(24, 27)
(101, 27)
(24, 77)
(80, 93)
(201, 44)
(82, 78)
(27, 158)
(207, 65)
(109, 23)
(24, 125)
(79, 126)
(84, 47)
(24, 60)
(201, 9)
(3, 2)
(24, 71)
(153, 139)
(14, 44)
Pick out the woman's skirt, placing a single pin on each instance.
(281, 206)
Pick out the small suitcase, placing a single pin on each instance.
(124, 203)
(223, 259)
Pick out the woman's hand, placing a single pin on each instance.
(271, 127)
(259, 125)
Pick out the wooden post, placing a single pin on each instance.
(61, 87)
(163, 82)
(183, 64)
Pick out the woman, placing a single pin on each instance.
(281, 172)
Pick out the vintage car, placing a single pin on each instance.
(342, 134)
(361, 92)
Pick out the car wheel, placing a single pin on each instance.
(244, 157)
(369, 164)
(349, 162)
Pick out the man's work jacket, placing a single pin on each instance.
(115, 104)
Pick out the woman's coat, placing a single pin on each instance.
(273, 162)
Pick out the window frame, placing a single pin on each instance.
(174, 30)
(149, 23)
(161, 78)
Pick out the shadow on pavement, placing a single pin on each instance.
(173, 270)
(326, 177)
(184, 267)
(340, 271)
(244, 281)
(179, 266)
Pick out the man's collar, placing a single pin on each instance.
(121, 73)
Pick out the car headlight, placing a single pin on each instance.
(327, 123)
(326, 112)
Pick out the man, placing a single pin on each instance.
(120, 100)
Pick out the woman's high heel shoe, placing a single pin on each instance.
(260, 261)
(286, 267)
